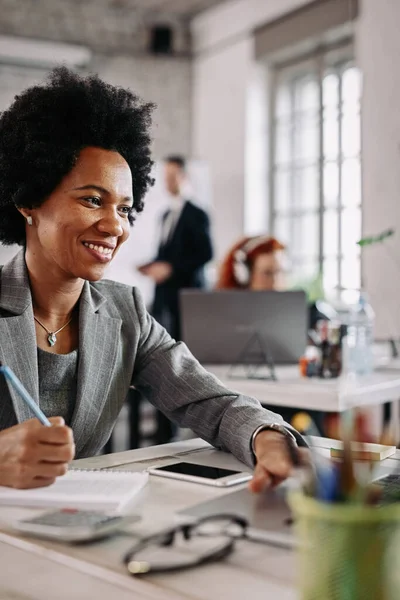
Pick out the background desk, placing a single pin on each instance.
(328, 395)
(40, 570)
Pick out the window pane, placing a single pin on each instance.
(351, 233)
(305, 236)
(351, 183)
(350, 132)
(351, 272)
(330, 274)
(306, 138)
(283, 141)
(282, 190)
(282, 230)
(351, 85)
(303, 271)
(297, 181)
(350, 296)
(283, 104)
(331, 184)
(306, 188)
(330, 90)
(331, 134)
(331, 236)
(306, 94)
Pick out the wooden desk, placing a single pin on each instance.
(40, 570)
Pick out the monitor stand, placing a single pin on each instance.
(394, 350)
(254, 360)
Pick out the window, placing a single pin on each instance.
(315, 169)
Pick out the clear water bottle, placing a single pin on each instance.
(358, 354)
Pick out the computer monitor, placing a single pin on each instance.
(217, 325)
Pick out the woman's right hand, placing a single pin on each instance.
(33, 455)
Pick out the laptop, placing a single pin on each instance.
(268, 514)
(218, 325)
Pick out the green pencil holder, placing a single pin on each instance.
(347, 551)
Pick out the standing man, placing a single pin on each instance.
(184, 248)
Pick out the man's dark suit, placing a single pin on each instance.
(187, 249)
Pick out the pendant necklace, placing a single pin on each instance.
(52, 335)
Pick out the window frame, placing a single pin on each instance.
(339, 57)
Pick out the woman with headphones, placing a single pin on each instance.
(254, 263)
(257, 263)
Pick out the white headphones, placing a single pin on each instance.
(241, 269)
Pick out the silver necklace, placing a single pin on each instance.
(52, 335)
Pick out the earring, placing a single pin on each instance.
(29, 220)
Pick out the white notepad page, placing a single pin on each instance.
(82, 489)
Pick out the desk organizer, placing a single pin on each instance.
(347, 551)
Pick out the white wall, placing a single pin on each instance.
(223, 71)
(225, 82)
(378, 53)
(256, 193)
(219, 110)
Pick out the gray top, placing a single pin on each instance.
(57, 383)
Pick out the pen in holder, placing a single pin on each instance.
(348, 532)
(347, 551)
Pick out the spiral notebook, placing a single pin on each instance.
(106, 490)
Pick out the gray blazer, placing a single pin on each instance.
(121, 345)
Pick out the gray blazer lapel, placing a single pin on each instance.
(99, 336)
(17, 332)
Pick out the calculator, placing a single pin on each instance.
(72, 525)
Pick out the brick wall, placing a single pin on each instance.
(118, 37)
(104, 25)
(165, 81)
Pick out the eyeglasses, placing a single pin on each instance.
(187, 545)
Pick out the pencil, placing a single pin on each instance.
(24, 395)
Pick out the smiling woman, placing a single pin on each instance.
(80, 226)
(74, 168)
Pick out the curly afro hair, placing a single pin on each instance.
(46, 127)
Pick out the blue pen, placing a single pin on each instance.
(15, 382)
(327, 483)
(326, 476)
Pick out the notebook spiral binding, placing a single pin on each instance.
(105, 470)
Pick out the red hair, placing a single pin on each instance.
(251, 247)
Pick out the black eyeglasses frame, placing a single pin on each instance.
(167, 538)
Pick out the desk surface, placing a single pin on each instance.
(331, 395)
(41, 570)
